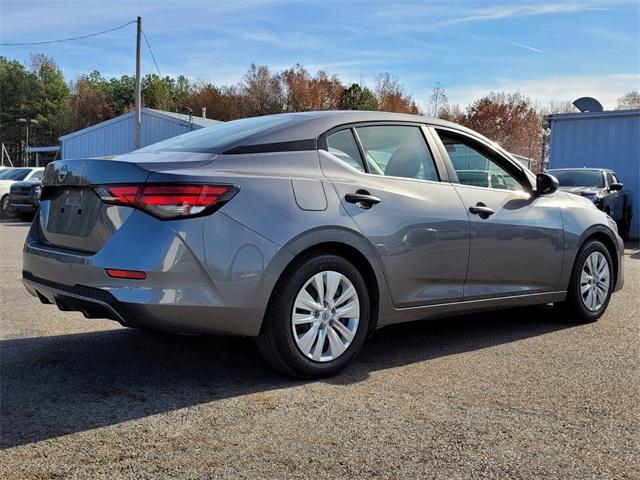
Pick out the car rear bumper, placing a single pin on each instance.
(185, 290)
(98, 303)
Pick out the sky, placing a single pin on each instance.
(549, 51)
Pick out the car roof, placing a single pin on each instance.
(307, 125)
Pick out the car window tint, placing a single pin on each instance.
(579, 178)
(218, 138)
(474, 167)
(37, 175)
(343, 146)
(397, 151)
(15, 174)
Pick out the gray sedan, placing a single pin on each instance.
(308, 231)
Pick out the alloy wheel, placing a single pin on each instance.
(325, 316)
(594, 281)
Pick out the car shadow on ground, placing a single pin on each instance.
(57, 385)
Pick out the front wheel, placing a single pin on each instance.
(6, 211)
(318, 318)
(591, 283)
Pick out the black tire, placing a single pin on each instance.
(574, 306)
(276, 342)
(5, 209)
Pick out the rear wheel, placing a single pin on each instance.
(318, 318)
(591, 283)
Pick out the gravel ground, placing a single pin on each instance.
(517, 394)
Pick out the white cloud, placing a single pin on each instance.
(423, 17)
(606, 88)
(528, 47)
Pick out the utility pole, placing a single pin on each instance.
(138, 114)
(28, 123)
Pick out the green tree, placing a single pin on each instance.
(40, 94)
(358, 98)
(165, 93)
(52, 102)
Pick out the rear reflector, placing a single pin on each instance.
(168, 201)
(130, 274)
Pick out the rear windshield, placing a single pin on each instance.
(16, 174)
(220, 137)
(579, 178)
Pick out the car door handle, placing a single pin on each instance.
(481, 210)
(362, 198)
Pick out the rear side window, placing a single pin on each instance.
(219, 137)
(343, 146)
(397, 151)
(37, 175)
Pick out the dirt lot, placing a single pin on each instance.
(519, 394)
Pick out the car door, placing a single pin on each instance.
(517, 240)
(416, 222)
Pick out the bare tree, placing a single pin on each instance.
(262, 92)
(439, 102)
(629, 100)
(392, 97)
(565, 106)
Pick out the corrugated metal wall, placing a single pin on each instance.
(116, 136)
(605, 140)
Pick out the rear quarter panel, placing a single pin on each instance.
(273, 217)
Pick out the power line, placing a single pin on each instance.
(146, 40)
(68, 39)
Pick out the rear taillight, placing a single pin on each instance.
(168, 201)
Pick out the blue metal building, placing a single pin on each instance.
(115, 136)
(600, 139)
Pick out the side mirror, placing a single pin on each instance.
(546, 184)
(614, 187)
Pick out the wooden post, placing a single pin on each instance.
(138, 114)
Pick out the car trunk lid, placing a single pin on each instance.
(72, 215)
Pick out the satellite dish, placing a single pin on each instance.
(587, 104)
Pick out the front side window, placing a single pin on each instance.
(343, 146)
(397, 151)
(475, 168)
